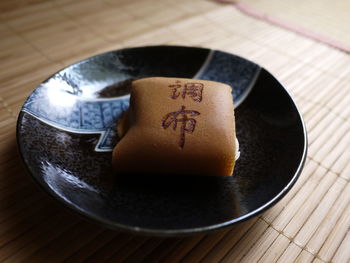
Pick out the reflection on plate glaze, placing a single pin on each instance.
(68, 178)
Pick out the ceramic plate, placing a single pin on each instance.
(66, 133)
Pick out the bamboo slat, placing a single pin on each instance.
(275, 250)
(290, 254)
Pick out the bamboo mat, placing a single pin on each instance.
(310, 224)
(326, 21)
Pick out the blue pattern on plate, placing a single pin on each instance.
(78, 115)
(232, 70)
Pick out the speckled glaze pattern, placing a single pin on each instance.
(66, 131)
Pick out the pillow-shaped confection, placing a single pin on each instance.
(177, 126)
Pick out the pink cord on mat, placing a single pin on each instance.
(261, 15)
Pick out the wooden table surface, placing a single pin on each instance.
(310, 224)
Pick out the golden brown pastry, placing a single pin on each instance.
(177, 126)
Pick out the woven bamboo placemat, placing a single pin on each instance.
(326, 21)
(310, 224)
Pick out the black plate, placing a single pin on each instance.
(65, 134)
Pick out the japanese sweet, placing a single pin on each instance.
(177, 126)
